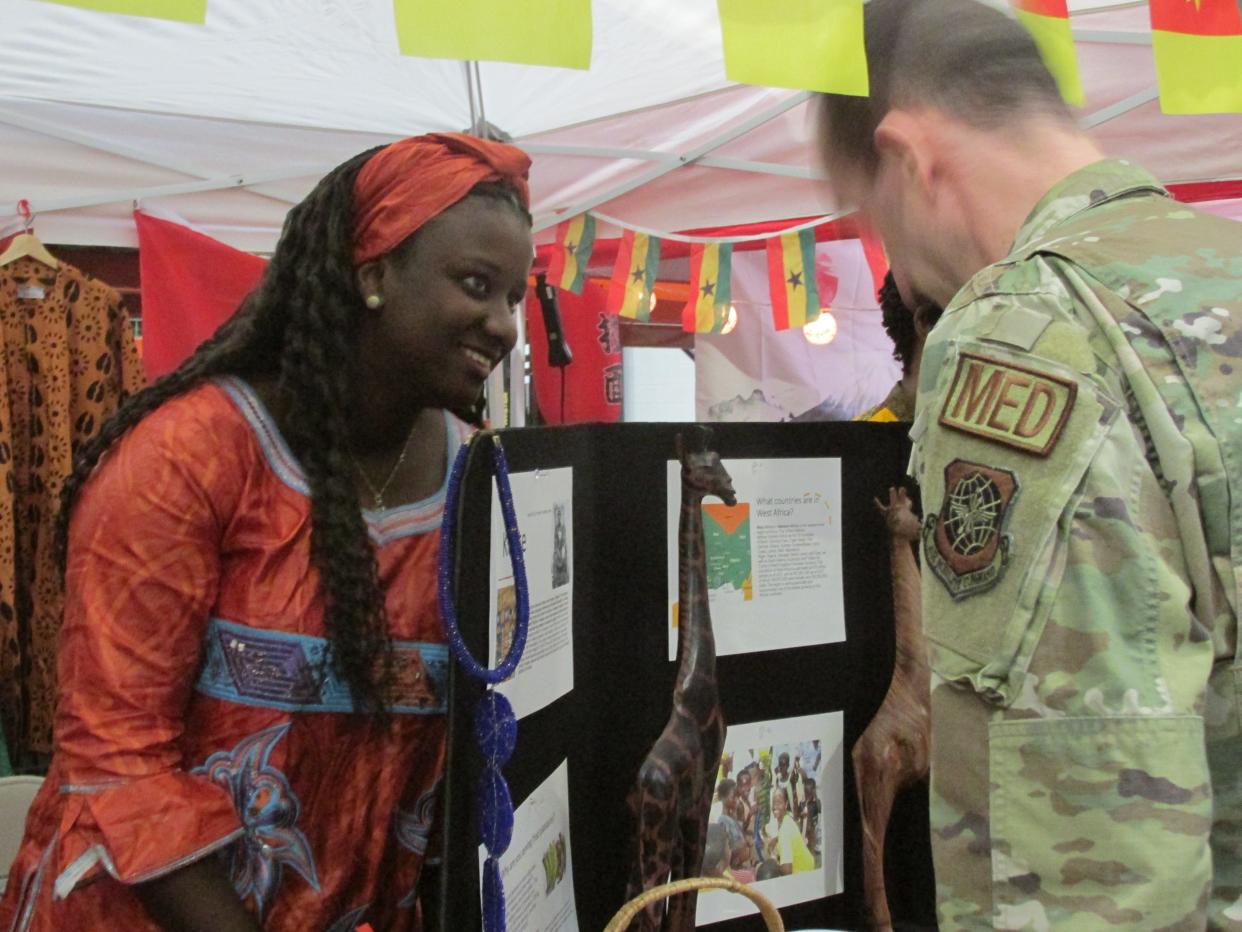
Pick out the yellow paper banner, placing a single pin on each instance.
(182, 11)
(810, 45)
(528, 32)
(1198, 74)
(1056, 46)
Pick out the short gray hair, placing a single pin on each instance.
(960, 56)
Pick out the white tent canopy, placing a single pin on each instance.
(228, 123)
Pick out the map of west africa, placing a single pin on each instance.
(726, 532)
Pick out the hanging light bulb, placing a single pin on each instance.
(730, 321)
(653, 301)
(822, 330)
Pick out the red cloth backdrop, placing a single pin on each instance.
(191, 284)
(593, 379)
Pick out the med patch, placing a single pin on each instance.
(1019, 407)
(965, 543)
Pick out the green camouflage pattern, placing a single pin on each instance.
(1087, 751)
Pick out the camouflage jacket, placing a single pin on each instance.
(1078, 441)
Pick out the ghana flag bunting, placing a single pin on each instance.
(634, 276)
(711, 286)
(791, 276)
(1198, 50)
(575, 240)
(1048, 23)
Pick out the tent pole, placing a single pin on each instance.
(671, 158)
(1111, 112)
(481, 128)
(517, 370)
(496, 397)
(597, 152)
(1110, 36)
(496, 413)
(763, 168)
(68, 134)
(687, 158)
(169, 190)
(474, 113)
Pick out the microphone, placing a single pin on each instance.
(559, 353)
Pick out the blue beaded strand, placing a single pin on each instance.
(495, 725)
(448, 537)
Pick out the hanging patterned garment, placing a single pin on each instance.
(69, 361)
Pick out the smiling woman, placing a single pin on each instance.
(250, 732)
(447, 296)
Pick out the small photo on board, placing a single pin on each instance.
(560, 546)
(775, 820)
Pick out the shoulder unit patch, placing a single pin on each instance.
(965, 544)
(1019, 407)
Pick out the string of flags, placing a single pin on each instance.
(792, 279)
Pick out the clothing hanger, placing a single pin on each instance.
(26, 244)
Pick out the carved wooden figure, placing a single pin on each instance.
(894, 752)
(672, 799)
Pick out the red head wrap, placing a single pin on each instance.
(408, 183)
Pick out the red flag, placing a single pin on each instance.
(191, 284)
(592, 382)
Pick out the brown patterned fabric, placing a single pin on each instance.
(69, 360)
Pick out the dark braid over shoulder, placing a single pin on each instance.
(300, 325)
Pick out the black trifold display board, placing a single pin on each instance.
(623, 679)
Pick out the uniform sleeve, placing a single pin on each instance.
(1070, 787)
(142, 577)
(1008, 424)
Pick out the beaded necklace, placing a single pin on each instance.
(495, 725)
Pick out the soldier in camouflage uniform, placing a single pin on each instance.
(1078, 441)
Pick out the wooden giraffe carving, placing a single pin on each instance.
(894, 752)
(672, 800)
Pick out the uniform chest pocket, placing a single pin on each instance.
(1007, 442)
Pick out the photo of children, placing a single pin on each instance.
(769, 815)
(768, 825)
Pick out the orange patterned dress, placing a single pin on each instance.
(194, 717)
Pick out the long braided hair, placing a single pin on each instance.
(300, 325)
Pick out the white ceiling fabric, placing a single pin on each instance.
(227, 123)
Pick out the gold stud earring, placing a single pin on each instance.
(374, 301)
